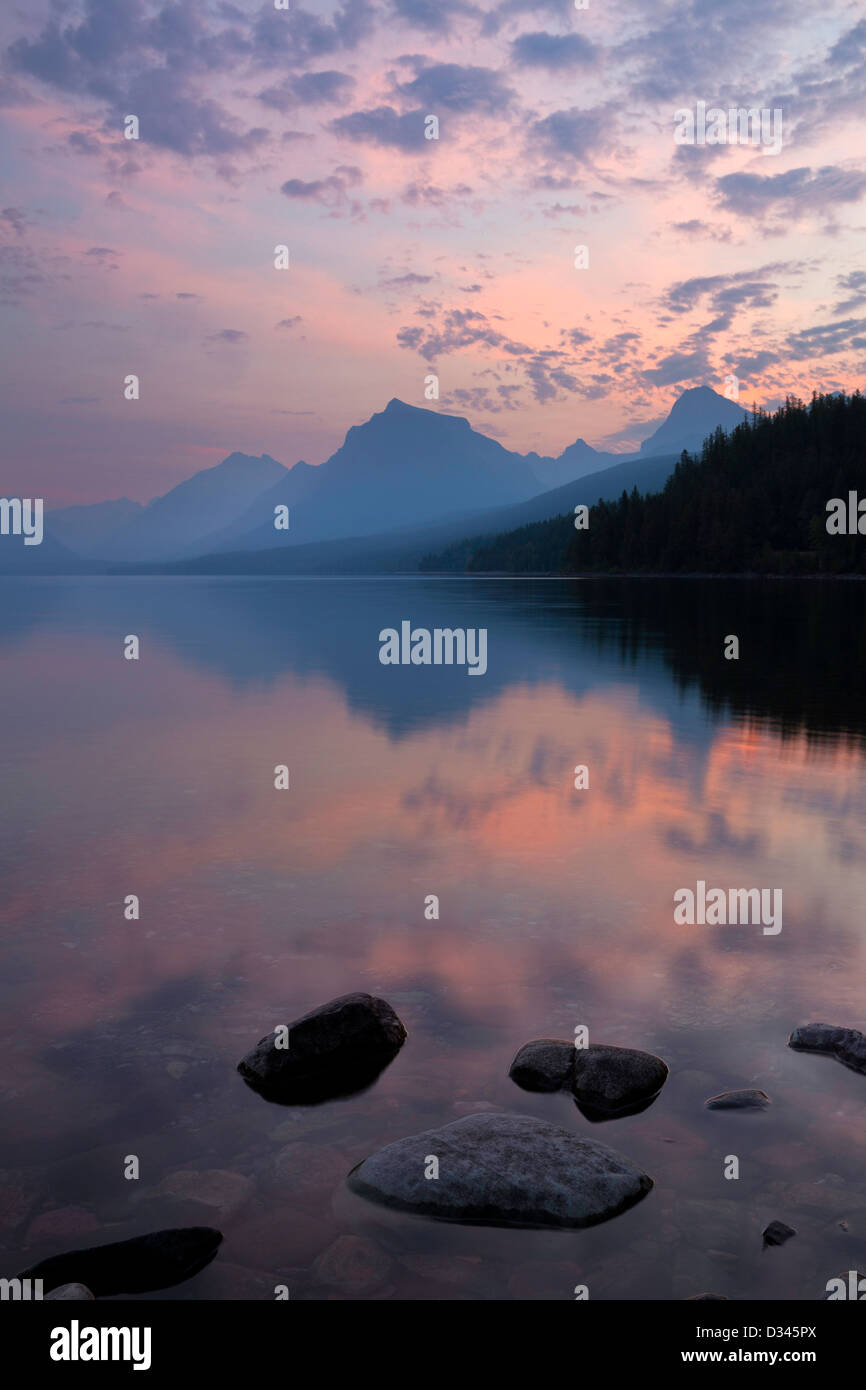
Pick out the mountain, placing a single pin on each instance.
(579, 458)
(694, 415)
(85, 530)
(402, 550)
(404, 466)
(697, 413)
(176, 523)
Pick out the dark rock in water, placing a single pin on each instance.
(335, 1050)
(819, 1037)
(708, 1298)
(847, 1045)
(141, 1265)
(69, 1293)
(777, 1233)
(607, 1082)
(503, 1170)
(615, 1081)
(545, 1064)
(853, 1053)
(739, 1100)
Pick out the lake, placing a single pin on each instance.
(155, 777)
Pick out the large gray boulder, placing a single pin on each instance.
(335, 1050)
(504, 1170)
(847, 1045)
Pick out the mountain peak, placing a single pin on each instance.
(237, 460)
(693, 396)
(694, 415)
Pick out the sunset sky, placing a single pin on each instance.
(409, 256)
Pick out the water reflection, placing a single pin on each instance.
(556, 908)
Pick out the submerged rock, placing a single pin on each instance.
(614, 1081)
(219, 1194)
(739, 1100)
(777, 1233)
(545, 1064)
(353, 1263)
(336, 1050)
(69, 1293)
(504, 1170)
(141, 1265)
(847, 1045)
(60, 1224)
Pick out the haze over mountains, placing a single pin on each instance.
(404, 468)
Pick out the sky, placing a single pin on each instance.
(409, 256)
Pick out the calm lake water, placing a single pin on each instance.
(156, 778)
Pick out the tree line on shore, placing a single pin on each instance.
(757, 500)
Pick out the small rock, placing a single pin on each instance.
(62, 1223)
(69, 1293)
(708, 1298)
(505, 1170)
(352, 1263)
(224, 1193)
(545, 1064)
(335, 1050)
(820, 1037)
(460, 1270)
(307, 1171)
(847, 1045)
(739, 1100)
(777, 1233)
(614, 1081)
(287, 1236)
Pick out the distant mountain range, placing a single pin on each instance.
(406, 480)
